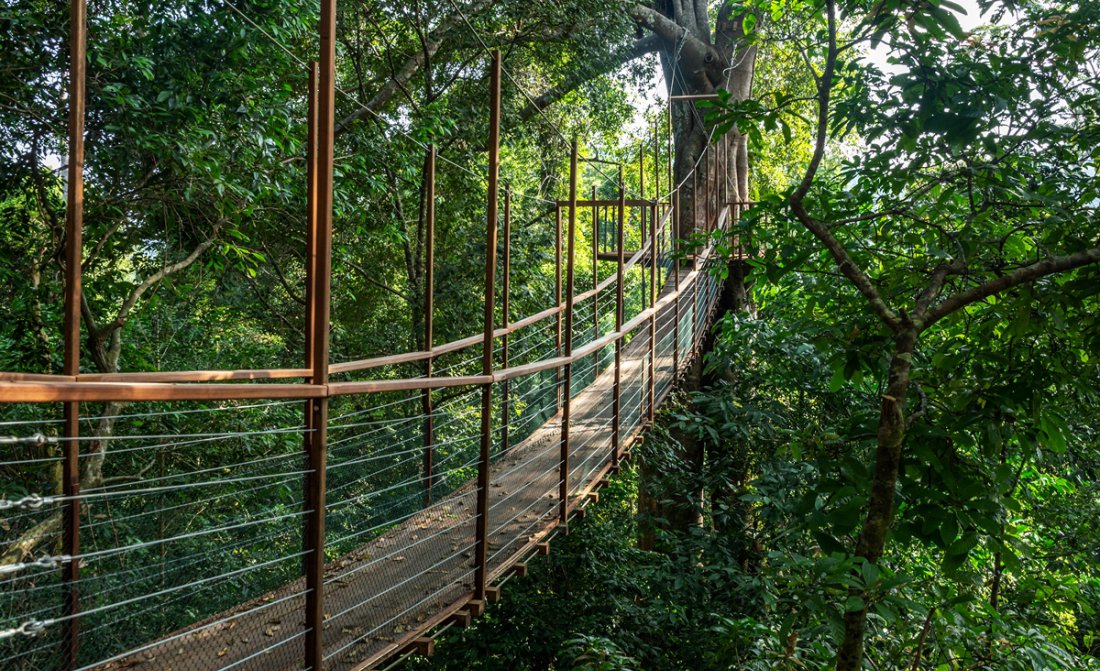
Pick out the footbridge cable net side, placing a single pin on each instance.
(327, 516)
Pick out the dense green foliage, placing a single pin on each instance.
(936, 238)
(973, 159)
(763, 585)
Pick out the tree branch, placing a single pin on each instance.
(401, 75)
(700, 58)
(618, 58)
(290, 291)
(152, 280)
(843, 259)
(369, 278)
(1050, 266)
(935, 285)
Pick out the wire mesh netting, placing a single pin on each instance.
(189, 525)
(192, 514)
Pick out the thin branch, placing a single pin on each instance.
(843, 259)
(140, 475)
(369, 278)
(935, 285)
(921, 639)
(590, 69)
(151, 281)
(290, 291)
(401, 75)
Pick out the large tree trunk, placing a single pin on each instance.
(697, 62)
(880, 507)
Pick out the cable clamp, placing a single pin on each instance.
(30, 502)
(32, 628)
(43, 562)
(36, 440)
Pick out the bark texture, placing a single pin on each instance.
(699, 60)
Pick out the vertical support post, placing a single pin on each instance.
(675, 204)
(481, 576)
(695, 269)
(716, 185)
(429, 310)
(695, 203)
(718, 150)
(317, 445)
(595, 285)
(74, 257)
(707, 156)
(311, 221)
(724, 185)
(672, 186)
(657, 161)
(724, 172)
(557, 300)
(657, 172)
(616, 407)
(563, 485)
(644, 210)
(653, 316)
(505, 302)
(311, 276)
(731, 187)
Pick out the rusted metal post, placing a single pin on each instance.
(595, 285)
(707, 156)
(724, 170)
(694, 203)
(716, 185)
(617, 402)
(481, 576)
(657, 172)
(675, 223)
(505, 291)
(695, 269)
(317, 454)
(563, 484)
(429, 310)
(656, 159)
(311, 275)
(644, 210)
(311, 219)
(74, 257)
(718, 150)
(653, 316)
(672, 186)
(557, 300)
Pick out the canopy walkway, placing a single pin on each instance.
(336, 516)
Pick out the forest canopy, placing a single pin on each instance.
(887, 455)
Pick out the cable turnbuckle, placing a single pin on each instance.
(43, 562)
(30, 502)
(32, 628)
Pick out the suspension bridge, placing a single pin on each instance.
(340, 515)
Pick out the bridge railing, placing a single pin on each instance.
(277, 518)
(194, 527)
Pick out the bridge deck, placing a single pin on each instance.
(428, 559)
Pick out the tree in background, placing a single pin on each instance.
(965, 226)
